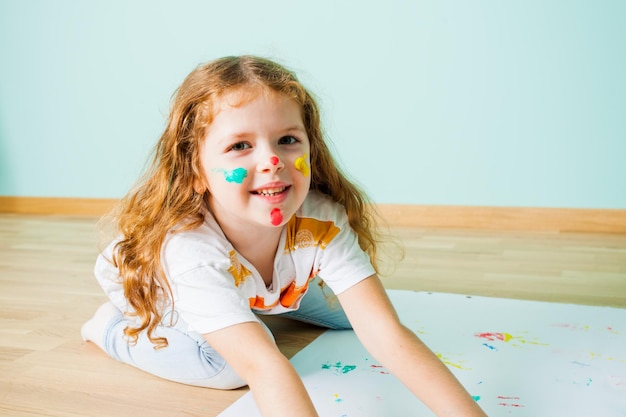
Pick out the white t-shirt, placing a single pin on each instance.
(215, 287)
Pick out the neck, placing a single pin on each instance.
(256, 243)
(258, 246)
(246, 239)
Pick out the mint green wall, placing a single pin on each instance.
(516, 103)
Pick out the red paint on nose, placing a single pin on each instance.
(274, 160)
(277, 217)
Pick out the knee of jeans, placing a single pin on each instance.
(343, 325)
(226, 379)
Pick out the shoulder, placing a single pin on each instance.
(205, 245)
(317, 223)
(321, 207)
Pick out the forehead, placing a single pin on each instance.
(249, 111)
(248, 104)
(240, 96)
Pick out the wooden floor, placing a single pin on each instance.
(47, 291)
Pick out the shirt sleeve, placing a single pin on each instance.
(109, 279)
(206, 296)
(343, 263)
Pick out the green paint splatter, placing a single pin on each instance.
(476, 397)
(339, 368)
(348, 368)
(237, 175)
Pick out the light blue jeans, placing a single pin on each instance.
(189, 359)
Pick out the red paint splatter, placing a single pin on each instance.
(382, 371)
(277, 217)
(503, 404)
(505, 337)
(618, 381)
(274, 160)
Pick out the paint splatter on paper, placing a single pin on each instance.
(617, 381)
(594, 355)
(514, 340)
(577, 327)
(516, 363)
(506, 401)
(452, 363)
(379, 369)
(338, 368)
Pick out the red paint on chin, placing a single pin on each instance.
(277, 217)
(274, 160)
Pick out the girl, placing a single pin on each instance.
(244, 212)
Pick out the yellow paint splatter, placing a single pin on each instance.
(448, 362)
(237, 270)
(506, 337)
(594, 355)
(302, 165)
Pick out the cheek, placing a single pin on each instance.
(236, 175)
(302, 165)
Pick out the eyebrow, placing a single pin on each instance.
(298, 128)
(246, 135)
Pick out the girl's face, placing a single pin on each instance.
(255, 159)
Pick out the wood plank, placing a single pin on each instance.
(56, 205)
(397, 215)
(506, 218)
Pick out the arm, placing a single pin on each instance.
(275, 385)
(377, 325)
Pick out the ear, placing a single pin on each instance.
(199, 185)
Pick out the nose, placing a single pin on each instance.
(271, 163)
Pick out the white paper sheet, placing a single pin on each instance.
(516, 358)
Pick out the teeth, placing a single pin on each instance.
(271, 191)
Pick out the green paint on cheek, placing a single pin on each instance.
(237, 175)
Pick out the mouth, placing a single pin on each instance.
(270, 192)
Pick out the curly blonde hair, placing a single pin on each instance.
(165, 200)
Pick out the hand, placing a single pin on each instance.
(376, 323)
(275, 385)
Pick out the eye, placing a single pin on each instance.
(287, 140)
(240, 146)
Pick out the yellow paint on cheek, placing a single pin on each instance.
(302, 165)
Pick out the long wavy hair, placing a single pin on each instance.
(165, 200)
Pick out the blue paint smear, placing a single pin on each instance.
(237, 175)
